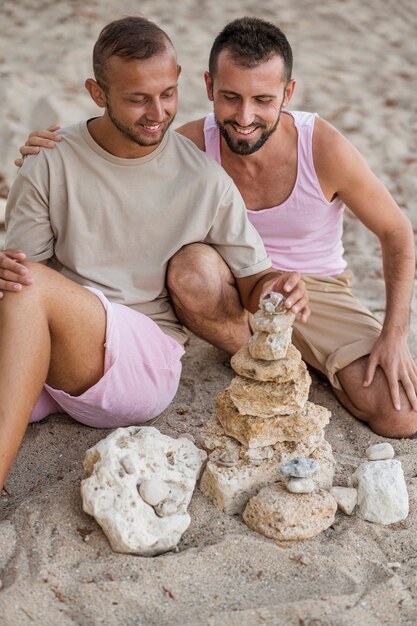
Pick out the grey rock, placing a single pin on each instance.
(300, 467)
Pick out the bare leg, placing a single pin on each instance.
(205, 297)
(53, 331)
(373, 404)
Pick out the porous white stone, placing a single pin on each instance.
(130, 463)
(382, 492)
(380, 452)
(272, 303)
(300, 485)
(346, 498)
(270, 346)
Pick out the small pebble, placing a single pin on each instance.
(153, 491)
(395, 565)
(188, 436)
(300, 485)
(380, 452)
(228, 459)
(346, 498)
(300, 467)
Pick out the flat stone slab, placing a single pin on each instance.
(268, 399)
(277, 371)
(255, 432)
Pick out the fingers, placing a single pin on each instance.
(410, 387)
(39, 139)
(370, 371)
(394, 390)
(12, 273)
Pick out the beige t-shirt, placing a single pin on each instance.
(114, 223)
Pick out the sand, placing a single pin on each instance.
(355, 65)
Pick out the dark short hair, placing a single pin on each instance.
(251, 41)
(130, 37)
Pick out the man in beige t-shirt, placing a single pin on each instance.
(107, 211)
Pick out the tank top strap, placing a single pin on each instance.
(212, 138)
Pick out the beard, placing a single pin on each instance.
(130, 133)
(243, 147)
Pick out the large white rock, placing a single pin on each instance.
(382, 492)
(131, 465)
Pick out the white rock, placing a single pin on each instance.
(346, 498)
(300, 485)
(380, 452)
(270, 346)
(131, 462)
(382, 492)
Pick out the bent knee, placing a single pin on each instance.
(196, 267)
(394, 424)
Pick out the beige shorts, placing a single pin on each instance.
(339, 330)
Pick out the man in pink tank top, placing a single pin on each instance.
(296, 173)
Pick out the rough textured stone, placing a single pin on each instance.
(380, 452)
(256, 432)
(300, 485)
(266, 399)
(300, 467)
(274, 324)
(284, 516)
(272, 303)
(133, 460)
(346, 498)
(279, 371)
(323, 454)
(270, 347)
(213, 436)
(382, 492)
(231, 487)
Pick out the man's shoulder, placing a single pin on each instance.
(194, 131)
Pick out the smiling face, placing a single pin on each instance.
(140, 99)
(248, 101)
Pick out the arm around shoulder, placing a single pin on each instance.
(195, 132)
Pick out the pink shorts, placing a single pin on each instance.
(142, 368)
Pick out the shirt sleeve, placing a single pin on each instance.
(28, 225)
(234, 237)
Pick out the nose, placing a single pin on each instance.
(155, 111)
(244, 115)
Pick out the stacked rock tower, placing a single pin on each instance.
(264, 420)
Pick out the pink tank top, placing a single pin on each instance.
(304, 233)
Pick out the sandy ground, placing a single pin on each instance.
(355, 65)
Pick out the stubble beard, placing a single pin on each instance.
(128, 132)
(242, 147)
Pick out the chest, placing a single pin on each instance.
(266, 186)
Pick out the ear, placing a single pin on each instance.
(209, 85)
(96, 92)
(179, 69)
(289, 90)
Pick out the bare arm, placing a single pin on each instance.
(343, 171)
(252, 288)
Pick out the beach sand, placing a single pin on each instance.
(355, 65)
